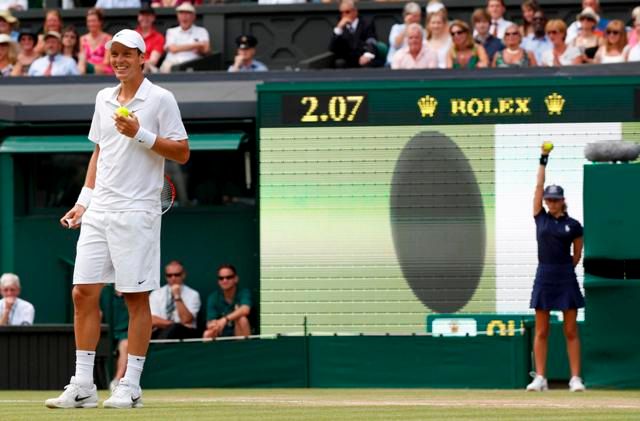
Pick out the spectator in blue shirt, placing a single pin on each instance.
(538, 42)
(481, 21)
(53, 63)
(244, 60)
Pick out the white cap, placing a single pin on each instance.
(434, 7)
(186, 7)
(6, 39)
(128, 38)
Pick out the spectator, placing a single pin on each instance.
(561, 54)
(176, 3)
(438, 37)
(7, 22)
(614, 49)
(465, 53)
(244, 60)
(186, 41)
(118, 4)
(481, 22)
(27, 55)
(228, 307)
(14, 311)
(513, 54)
(634, 51)
(94, 43)
(412, 13)
(633, 34)
(52, 23)
(153, 40)
(71, 48)
(175, 306)
(7, 5)
(353, 40)
(8, 54)
(529, 9)
(538, 42)
(53, 63)
(587, 40)
(574, 28)
(416, 54)
(499, 24)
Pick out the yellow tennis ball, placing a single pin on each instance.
(547, 146)
(122, 111)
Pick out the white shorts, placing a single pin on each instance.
(120, 247)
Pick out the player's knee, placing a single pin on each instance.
(84, 295)
(571, 332)
(542, 332)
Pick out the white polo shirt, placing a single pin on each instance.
(159, 299)
(129, 176)
(178, 36)
(22, 312)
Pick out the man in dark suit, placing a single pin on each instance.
(354, 39)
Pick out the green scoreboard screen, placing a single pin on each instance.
(384, 202)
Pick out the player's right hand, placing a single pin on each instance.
(72, 218)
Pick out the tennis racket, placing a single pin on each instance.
(168, 195)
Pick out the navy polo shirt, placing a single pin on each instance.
(555, 237)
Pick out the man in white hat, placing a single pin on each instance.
(119, 211)
(186, 41)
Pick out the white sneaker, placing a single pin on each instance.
(75, 395)
(125, 395)
(539, 384)
(576, 385)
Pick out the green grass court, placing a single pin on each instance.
(341, 404)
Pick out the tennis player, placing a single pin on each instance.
(556, 286)
(120, 210)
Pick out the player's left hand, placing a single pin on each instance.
(127, 126)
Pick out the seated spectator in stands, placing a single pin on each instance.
(633, 53)
(27, 55)
(14, 311)
(186, 41)
(465, 53)
(353, 41)
(8, 55)
(412, 13)
(153, 40)
(94, 43)
(481, 21)
(614, 48)
(7, 23)
(498, 24)
(118, 4)
(561, 54)
(438, 37)
(416, 54)
(574, 28)
(632, 35)
(228, 307)
(529, 9)
(52, 23)
(53, 63)
(175, 306)
(538, 42)
(17, 5)
(71, 49)
(587, 41)
(513, 54)
(244, 60)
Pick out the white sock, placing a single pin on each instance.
(84, 367)
(134, 369)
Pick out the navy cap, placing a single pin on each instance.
(246, 41)
(553, 192)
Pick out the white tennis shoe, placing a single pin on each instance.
(124, 396)
(75, 395)
(576, 385)
(539, 384)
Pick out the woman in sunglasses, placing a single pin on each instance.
(555, 286)
(587, 40)
(465, 53)
(513, 54)
(560, 54)
(614, 49)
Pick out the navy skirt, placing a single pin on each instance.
(556, 288)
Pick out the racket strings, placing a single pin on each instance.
(168, 195)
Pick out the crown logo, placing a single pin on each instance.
(555, 103)
(427, 105)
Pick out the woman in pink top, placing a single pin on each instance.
(93, 44)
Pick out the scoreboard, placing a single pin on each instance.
(384, 202)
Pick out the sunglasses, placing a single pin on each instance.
(228, 277)
(346, 12)
(454, 33)
(172, 275)
(612, 32)
(507, 34)
(552, 32)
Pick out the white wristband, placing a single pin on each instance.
(145, 137)
(84, 199)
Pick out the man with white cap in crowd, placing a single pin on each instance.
(135, 126)
(186, 41)
(53, 63)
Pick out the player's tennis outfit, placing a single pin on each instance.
(120, 233)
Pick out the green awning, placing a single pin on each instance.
(80, 143)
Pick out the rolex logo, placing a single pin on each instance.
(555, 103)
(427, 105)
